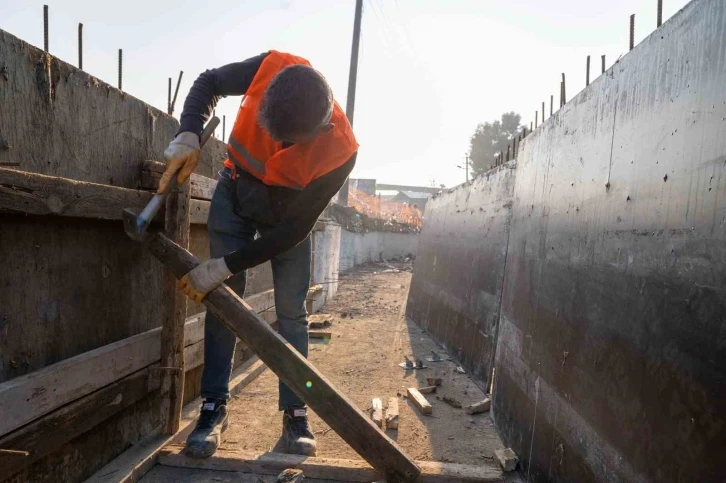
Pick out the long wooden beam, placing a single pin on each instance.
(324, 468)
(201, 186)
(38, 194)
(293, 369)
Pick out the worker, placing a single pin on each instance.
(290, 150)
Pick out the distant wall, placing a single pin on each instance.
(611, 359)
(457, 279)
(359, 248)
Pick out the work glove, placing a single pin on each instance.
(204, 278)
(182, 157)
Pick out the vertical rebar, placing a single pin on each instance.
(530, 126)
(45, 27)
(176, 92)
(660, 13)
(120, 68)
(168, 99)
(80, 46)
(224, 127)
(587, 72)
(536, 118)
(632, 31)
(543, 112)
(552, 103)
(508, 149)
(602, 57)
(514, 147)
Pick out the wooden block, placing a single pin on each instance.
(427, 389)
(319, 334)
(392, 413)
(506, 458)
(377, 412)
(295, 371)
(420, 401)
(479, 407)
(291, 476)
(433, 381)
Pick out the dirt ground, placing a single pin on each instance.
(370, 337)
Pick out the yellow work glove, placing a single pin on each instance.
(182, 157)
(204, 278)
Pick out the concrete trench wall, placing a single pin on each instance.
(359, 248)
(611, 357)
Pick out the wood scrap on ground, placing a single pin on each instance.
(392, 413)
(506, 458)
(419, 401)
(479, 407)
(291, 476)
(317, 334)
(377, 412)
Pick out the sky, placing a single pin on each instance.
(429, 70)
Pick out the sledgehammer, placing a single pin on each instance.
(135, 225)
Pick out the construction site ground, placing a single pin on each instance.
(370, 337)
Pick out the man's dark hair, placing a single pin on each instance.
(297, 101)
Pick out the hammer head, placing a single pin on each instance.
(135, 226)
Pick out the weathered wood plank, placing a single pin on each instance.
(324, 468)
(392, 413)
(176, 225)
(28, 397)
(41, 437)
(294, 370)
(37, 194)
(377, 411)
(202, 186)
(419, 401)
(139, 459)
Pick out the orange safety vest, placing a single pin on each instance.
(252, 149)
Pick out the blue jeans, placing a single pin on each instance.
(228, 232)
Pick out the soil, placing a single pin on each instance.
(370, 337)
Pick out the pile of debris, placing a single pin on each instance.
(351, 219)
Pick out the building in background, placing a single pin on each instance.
(413, 198)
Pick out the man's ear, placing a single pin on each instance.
(328, 127)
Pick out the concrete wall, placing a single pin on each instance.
(326, 258)
(611, 355)
(457, 279)
(359, 248)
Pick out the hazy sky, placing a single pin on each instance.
(429, 70)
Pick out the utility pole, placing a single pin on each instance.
(352, 77)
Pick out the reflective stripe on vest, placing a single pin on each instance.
(253, 163)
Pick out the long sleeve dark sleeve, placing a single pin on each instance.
(229, 80)
(297, 224)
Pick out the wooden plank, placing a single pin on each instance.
(324, 468)
(377, 411)
(139, 459)
(176, 225)
(28, 397)
(479, 407)
(294, 370)
(44, 435)
(427, 389)
(202, 186)
(392, 413)
(419, 401)
(199, 212)
(37, 194)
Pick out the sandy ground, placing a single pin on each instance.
(370, 337)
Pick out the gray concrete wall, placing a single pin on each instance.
(326, 258)
(611, 357)
(359, 248)
(457, 279)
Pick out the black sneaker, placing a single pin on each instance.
(204, 440)
(296, 432)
